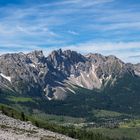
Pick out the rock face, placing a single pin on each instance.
(137, 69)
(12, 129)
(59, 73)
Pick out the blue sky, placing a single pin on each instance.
(98, 26)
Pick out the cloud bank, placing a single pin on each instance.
(101, 26)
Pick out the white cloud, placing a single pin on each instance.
(80, 3)
(73, 32)
(117, 26)
(123, 50)
(33, 26)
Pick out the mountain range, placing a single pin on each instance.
(58, 75)
(67, 88)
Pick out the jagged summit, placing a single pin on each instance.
(60, 72)
(36, 56)
(67, 54)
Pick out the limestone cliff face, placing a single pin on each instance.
(60, 72)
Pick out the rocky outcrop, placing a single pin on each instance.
(137, 69)
(12, 129)
(60, 72)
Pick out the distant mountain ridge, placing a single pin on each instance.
(61, 72)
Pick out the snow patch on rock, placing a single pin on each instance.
(32, 65)
(71, 90)
(6, 77)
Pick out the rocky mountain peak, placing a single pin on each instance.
(56, 53)
(66, 54)
(35, 73)
(96, 58)
(36, 56)
(74, 56)
(64, 59)
(136, 69)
